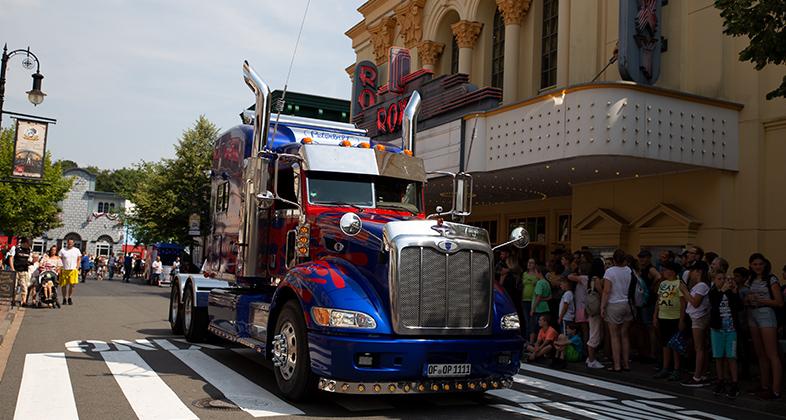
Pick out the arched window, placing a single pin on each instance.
(548, 56)
(454, 55)
(497, 50)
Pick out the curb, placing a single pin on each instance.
(6, 322)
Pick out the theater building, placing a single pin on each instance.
(597, 124)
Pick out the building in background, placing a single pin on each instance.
(310, 106)
(671, 144)
(91, 218)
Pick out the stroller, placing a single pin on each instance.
(43, 278)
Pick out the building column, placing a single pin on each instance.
(429, 53)
(466, 33)
(513, 11)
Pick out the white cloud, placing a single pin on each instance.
(124, 78)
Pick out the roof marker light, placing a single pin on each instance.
(345, 143)
(407, 152)
(364, 145)
(307, 140)
(380, 147)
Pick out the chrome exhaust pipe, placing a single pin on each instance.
(409, 124)
(262, 108)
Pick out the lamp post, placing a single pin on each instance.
(34, 95)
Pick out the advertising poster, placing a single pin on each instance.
(29, 149)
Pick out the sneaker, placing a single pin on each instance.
(70, 302)
(720, 388)
(675, 376)
(662, 374)
(65, 301)
(693, 382)
(733, 391)
(769, 395)
(595, 364)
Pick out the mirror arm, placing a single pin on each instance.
(507, 243)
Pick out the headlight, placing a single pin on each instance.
(340, 318)
(510, 322)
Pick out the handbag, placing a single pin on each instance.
(679, 343)
(593, 301)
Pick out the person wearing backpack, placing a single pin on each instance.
(762, 300)
(615, 308)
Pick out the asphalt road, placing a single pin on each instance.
(64, 364)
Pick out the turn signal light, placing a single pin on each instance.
(321, 315)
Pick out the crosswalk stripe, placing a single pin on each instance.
(527, 412)
(583, 412)
(197, 346)
(165, 344)
(45, 374)
(618, 410)
(515, 396)
(561, 389)
(247, 395)
(645, 408)
(611, 386)
(146, 392)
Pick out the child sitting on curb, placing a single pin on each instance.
(544, 346)
(568, 346)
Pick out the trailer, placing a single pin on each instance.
(321, 257)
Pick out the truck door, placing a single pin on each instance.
(284, 219)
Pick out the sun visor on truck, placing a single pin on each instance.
(355, 160)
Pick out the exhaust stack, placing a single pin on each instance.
(262, 108)
(410, 122)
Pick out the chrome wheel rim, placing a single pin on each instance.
(286, 349)
(173, 307)
(187, 313)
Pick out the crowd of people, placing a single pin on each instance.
(65, 268)
(676, 312)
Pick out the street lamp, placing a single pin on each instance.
(34, 95)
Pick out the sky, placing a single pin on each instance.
(124, 78)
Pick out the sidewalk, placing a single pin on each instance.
(642, 376)
(7, 315)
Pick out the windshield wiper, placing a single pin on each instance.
(341, 203)
(397, 206)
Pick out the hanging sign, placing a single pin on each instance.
(640, 40)
(193, 225)
(29, 149)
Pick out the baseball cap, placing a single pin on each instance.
(645, 253)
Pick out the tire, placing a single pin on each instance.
(194, 318)
(294, 379)
(175, 312)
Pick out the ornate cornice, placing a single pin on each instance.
(410, 19)
(429, 52)
(466, 33)
(382, 38)
(350, 69)
(513, 11)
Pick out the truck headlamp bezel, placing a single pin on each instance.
(342, 318)
(510, 322)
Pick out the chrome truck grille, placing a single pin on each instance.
(437, 292)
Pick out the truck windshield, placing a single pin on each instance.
(364, 191)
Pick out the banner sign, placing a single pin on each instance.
(29, 149)
(193, 225)
(364, 87)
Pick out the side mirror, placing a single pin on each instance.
(520, 237)
(462, 194)
(266, 199)
(350, 224)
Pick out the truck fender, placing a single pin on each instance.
(200, 286)
(503, 305)
(330, 283)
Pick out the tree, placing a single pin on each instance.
(66, 164)
(764, 23)
(173, 189)
(29, 208)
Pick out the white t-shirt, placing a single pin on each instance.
(70, 258)
(620, 281)
(570, 314)
(700, 289)
(158, 268)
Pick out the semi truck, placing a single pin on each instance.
(322, 258)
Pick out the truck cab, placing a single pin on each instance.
(322, 258)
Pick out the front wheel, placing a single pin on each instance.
(194, 318)
(175, 312)
(292, 364)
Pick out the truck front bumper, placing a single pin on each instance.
(353, 364)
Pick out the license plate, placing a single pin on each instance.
(448, 370)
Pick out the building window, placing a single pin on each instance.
(536, 227)
(103, 249)
(454, 55)
(38, 246)
(497, 50)
(490, 226)
(548, 56)
(104, 207)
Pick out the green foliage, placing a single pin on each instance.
(764, 23)
(122, 181)
(29, 209)
(173, 189)
(66, 164)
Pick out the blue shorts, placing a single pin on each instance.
(763, 317)
(724, 344)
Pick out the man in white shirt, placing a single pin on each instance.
(158, 269)
(69, 275)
